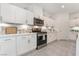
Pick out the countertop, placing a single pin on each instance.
(17, 34)
(33, 33)
(8, 36)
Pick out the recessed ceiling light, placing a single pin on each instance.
(62, 6)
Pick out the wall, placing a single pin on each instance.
(61, 23)
(48, 21)
(62, 26)
(74, 19)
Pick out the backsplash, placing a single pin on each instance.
(27, 29)
(24, 30)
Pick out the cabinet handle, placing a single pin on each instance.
(28, 41)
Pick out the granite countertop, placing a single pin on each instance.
(75, 29)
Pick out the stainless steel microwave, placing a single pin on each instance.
(38, 22)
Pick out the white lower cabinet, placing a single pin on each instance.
(32, 43)
(25, 43)
(22, 44)
(17, 44)
(7, 46)
(77, 46)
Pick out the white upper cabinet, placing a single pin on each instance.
(29, 18)
(6, 12)
(13, 14)
(20, 15)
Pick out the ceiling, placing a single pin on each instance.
(53, 7)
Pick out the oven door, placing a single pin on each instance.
(41, 39)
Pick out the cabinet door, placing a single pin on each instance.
(32, 44)
(19, 45)
(22, 45)
(8, 47)
(25, 43)
(29, 18)
(3, 49)
(24, 16)
(21, 15)
(6, 12)
(13, 14)
(11, 46)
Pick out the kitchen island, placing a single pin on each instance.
(17, 44)
(76, 30)
(77, 45)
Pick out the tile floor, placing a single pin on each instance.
(56, 48)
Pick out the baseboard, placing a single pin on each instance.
(61, 40)
(26, 54)
(51, 41)
(65, 40)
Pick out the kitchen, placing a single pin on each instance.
(21, 32)
(27, 27)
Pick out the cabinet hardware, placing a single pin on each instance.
(28, 41)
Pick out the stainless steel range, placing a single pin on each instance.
(41, 39)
